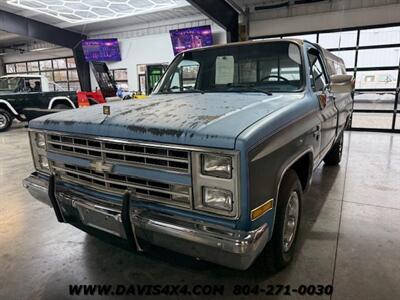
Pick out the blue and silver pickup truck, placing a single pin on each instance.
(213, 165)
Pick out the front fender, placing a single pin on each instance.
(269, 159)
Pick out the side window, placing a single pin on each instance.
(36, 85)
(20, 86)
(175, 83)
(340, 69)
(186, 76)
(27, 88)
(189, 75)
(30, 85)
(317, 72)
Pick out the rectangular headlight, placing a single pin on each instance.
(216, 165)
(44, 163)
(217, 198)
(40, 140)
(39, 155)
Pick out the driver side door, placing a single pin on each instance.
(26, 97)
(328, 112)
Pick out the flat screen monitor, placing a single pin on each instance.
(101, 50)
(189, 38)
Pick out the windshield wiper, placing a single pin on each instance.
(252, 88)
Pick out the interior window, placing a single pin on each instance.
(318, 76)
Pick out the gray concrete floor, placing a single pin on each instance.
(350, 234)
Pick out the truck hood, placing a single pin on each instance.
(211, 119)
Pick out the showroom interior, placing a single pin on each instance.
(349, 234)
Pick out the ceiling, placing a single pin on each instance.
(182, 9)
(10, 39)
(12, 43)
(86, 11)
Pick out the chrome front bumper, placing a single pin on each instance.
(221, 245)
(38, 188)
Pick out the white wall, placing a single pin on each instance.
(150, 49)
(141, 50)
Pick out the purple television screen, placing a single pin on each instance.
(101, 50)
(189, 38)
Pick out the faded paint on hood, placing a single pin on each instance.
(211, 119)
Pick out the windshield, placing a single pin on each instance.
(262, 67)
(9, 83)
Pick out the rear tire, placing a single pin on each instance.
(334, 156)
(5, 120)
(281, 248)
(61, 106)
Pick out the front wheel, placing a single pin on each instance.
(5, 120)
(280, 250)
(334, 156)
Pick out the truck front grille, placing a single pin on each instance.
(150, 190)
(123, 153)
(130, 154)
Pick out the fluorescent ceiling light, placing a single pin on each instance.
(85, 11)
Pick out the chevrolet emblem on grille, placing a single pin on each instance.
(101, 167)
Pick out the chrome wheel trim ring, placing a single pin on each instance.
(291, 221)
(3, 121)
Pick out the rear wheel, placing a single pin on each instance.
(334, 156)
(5, 120)
(61, 106)
(280, 250)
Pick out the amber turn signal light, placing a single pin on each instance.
(262, 209)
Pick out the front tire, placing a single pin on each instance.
(5, 120)
(334, 156)
(280, 250)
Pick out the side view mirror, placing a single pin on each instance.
(342, 83)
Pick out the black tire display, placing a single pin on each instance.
(334, 156)
(5, 120)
